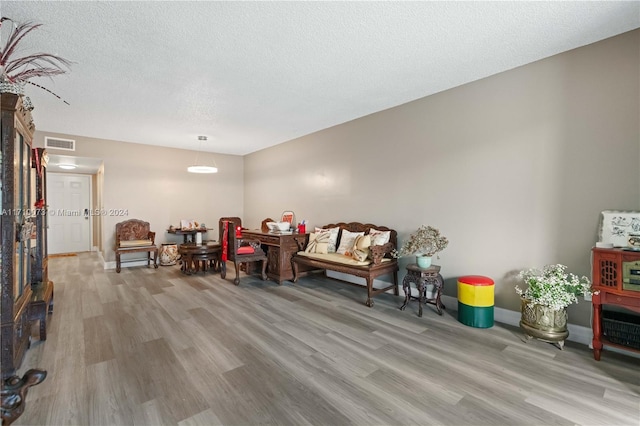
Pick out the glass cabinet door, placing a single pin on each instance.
(2, 214)
(18, 283)
(22, 176)
(45, 216)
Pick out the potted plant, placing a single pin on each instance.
(424, 244)
(544, 302)
(17, 68)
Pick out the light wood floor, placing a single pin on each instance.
(154, 347)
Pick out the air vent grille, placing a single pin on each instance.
(57, 143)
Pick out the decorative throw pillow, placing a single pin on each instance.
(360, 250)
(322, 248)
(333, 237)
(362, 242)
(318, 243)
(378, 237)
(346, 241)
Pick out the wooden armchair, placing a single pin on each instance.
(133, 236)
(239, 250)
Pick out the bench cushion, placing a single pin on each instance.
(134, 243)
(338, 258)
(335, 257)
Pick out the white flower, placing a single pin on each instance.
(553, 287)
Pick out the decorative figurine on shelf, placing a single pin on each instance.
(188, 224)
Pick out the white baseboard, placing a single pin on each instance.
(94, 248)
(577, 333)
(101, 257)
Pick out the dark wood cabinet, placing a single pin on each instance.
(16, 229)
(41, 303)
(280, 249)
(614, 273)
(40, 256)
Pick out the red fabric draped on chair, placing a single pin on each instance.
(238, 249)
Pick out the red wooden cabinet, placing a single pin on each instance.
(608, 279)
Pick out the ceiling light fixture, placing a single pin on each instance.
(67, 166)
(201, 167)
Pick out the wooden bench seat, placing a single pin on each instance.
(381, 263)
(134, 236)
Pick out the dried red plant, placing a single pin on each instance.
(20, 69)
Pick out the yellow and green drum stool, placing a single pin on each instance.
(475, 301)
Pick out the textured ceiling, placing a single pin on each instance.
(254, 74)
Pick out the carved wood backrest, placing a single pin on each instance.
(133, 229)
(236, 222)
(234, 242)
(263, 226)
(363, 227)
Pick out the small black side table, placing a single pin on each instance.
(421, 277)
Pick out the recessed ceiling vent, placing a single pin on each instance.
(57, 143)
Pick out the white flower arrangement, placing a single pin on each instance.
(553, 287)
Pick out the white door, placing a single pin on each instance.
(69, 200)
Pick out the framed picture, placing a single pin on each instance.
(616, 225)
(288, 216)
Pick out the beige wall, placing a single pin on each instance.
(514, 169)
(152, 184)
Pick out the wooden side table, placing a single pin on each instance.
(421, 277)
(194, 255)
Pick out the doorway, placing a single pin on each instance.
(69, 213)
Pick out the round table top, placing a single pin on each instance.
(205, 247)
(415, 267)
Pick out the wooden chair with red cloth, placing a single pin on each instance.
(237, 249)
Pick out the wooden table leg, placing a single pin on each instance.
(406, 287)
(597, 327)
(422, 298)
